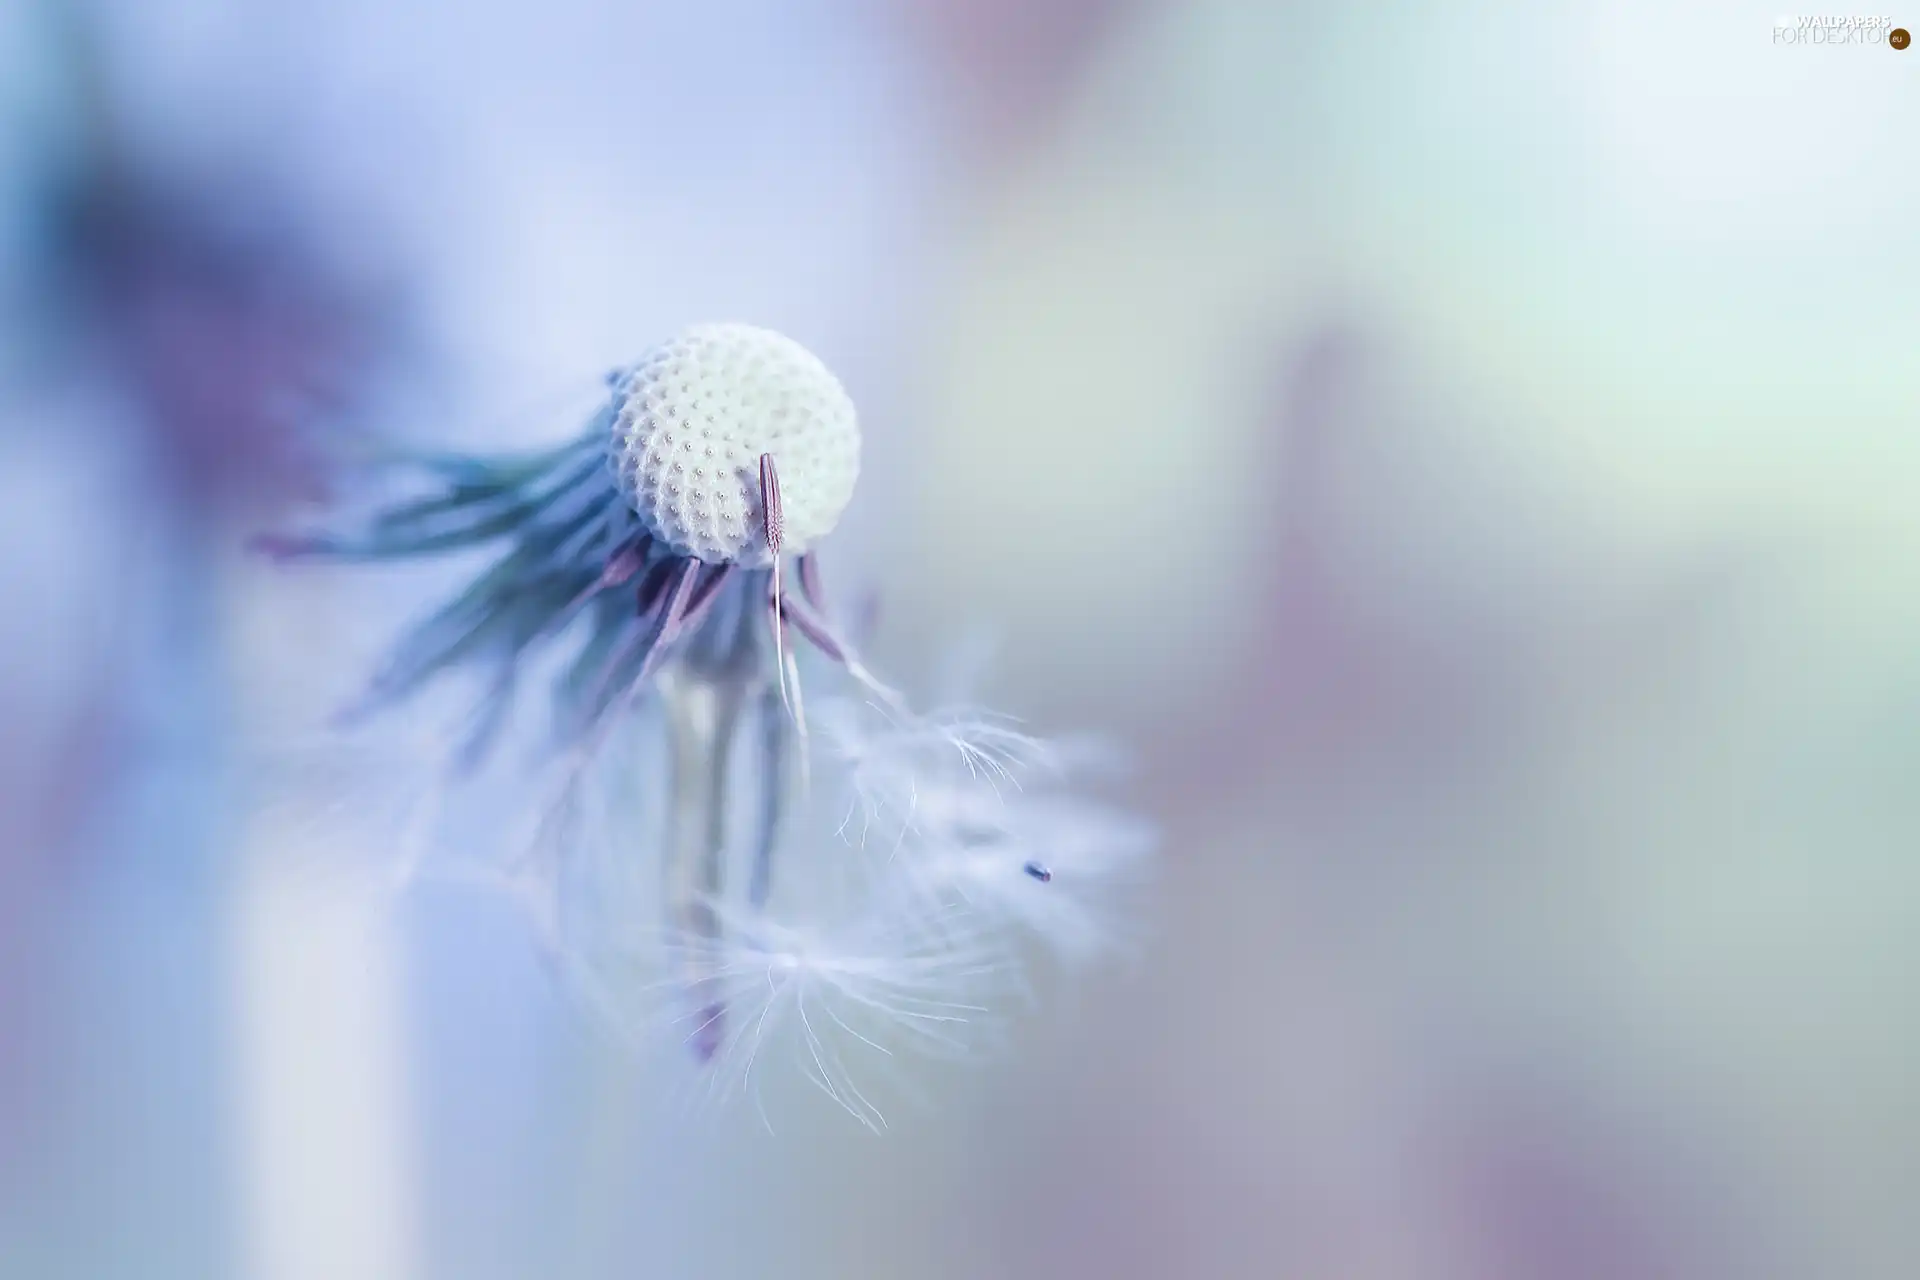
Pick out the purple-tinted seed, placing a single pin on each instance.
(652, 587)
(814, 627)
(625, 562)
(283, 547)
(810, 583)
(770, 503)
(707, 590)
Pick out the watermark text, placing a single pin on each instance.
(1838, 29)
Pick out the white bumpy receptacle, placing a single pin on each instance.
(691, 420)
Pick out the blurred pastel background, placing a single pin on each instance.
(1469, 455)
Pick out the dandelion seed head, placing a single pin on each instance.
(691, 420)
(724, 868)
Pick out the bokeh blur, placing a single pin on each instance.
(1468, 456)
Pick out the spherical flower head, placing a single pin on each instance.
(875, 889)
(692, 420)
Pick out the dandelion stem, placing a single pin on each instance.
(773, 787)
(702, 714)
